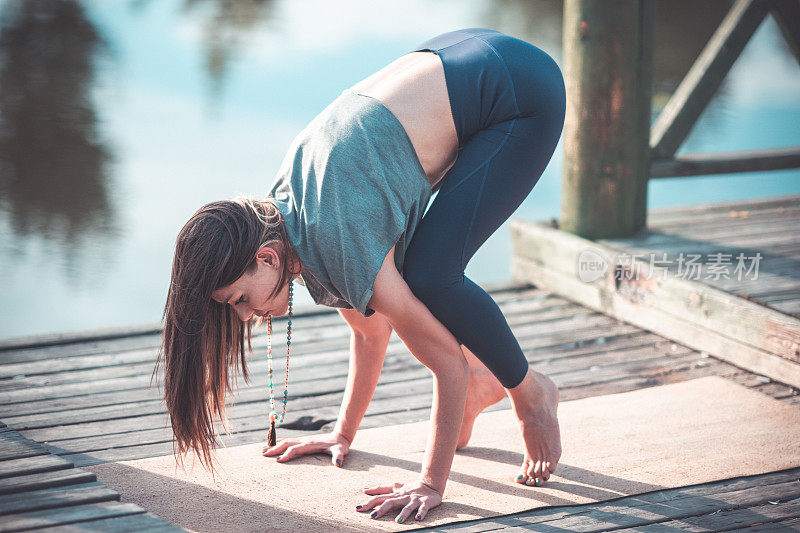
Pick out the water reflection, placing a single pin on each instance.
(269, 64)
(227, 25)
(53, 161)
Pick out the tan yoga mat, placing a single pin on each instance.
(649, 439)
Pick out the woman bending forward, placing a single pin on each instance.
(473, 114)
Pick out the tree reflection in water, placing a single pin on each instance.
(227, 25)
(52, 158)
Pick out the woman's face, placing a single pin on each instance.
(248, 294)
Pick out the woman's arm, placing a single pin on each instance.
(368, 342)
(436, 348)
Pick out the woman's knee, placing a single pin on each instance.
(426, 283)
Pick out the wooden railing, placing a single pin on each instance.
(702, 81)
(610, 149)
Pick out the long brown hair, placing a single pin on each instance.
(203, 338)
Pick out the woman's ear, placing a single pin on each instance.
(269, 256)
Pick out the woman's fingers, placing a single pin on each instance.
(372, 502)
(423, 510)
(292, 447)
(408, 510)
(278, 448)
(389, 504)
(337, 455)
(297, 449)
(381, 489)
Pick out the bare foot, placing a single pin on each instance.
(483, 390)
(535, 402)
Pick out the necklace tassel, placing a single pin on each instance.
(271, 440)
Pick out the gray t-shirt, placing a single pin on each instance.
(349, 188)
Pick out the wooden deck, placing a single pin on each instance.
(767, 229)
(87, 400)
(41, 490)
(720, 278)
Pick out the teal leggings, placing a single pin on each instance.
(508, 103)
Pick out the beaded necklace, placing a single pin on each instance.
(273, 415)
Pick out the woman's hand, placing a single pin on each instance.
(410, 496)
(334, 443)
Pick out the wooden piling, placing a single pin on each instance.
(608, 76)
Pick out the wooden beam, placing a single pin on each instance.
(787, 14)
(726, 163)
(691, 313)
(607, 66)
(705, 76)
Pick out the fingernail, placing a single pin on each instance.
(419, 517)
(338, 462)
(399, 519)
(520, 477)
(373, 515)
(358, 507)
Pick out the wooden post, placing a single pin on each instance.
(608, 74)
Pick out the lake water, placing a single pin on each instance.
(118, 119)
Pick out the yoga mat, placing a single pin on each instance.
(621, 444)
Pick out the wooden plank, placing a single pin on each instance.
(416, 380)
(133, 522)
(45, 480)
(792, 524)
(56, 497)
(764, 237)
(125, 359)
(750, 210)
(770, 202)
(789, 307)
(678, 503)
(586, 340)
(675, 326)
(726, 519)
(730, 218)
(727, 227)
(300, 359)
(317, 328)
(66, 515)
(705, 76)
(84, 343)
(694, 314)
(413, 392)
(690, 165)
(32, 465)
(318, 388)
(622, 384)
(143, 381)
(19, 449)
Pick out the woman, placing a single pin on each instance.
(473, 114)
